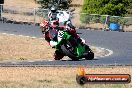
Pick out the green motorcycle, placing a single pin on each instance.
(68, 45)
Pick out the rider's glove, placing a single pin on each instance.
(53, 44)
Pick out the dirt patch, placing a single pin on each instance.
(22, 48)
(55, 77)
(21, 3)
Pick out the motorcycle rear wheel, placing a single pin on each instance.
(69, 54)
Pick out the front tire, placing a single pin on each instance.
(89, 55)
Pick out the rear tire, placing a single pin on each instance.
(68, 53)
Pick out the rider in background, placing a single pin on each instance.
(52, 15)
(62, 16)
(64, 19)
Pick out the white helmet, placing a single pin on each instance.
(53, 9)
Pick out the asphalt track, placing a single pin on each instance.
(119, 42)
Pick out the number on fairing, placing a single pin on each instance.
(60, 34)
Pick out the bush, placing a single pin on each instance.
(85, 18)
(108, 7)
(63, 4)
(104, 7)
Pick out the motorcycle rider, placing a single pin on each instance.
(55, 19)
(62, 16)
(52, 15)
(45, 28)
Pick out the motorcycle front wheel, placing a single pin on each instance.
(89, 55)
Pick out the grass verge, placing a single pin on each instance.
(23, 48)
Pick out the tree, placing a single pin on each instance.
(63, 4)
(129, 9)
(109, 7)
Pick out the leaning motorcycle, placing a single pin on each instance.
(68, 45)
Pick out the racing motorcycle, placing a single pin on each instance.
(68, 45)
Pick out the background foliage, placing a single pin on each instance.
(109, 7)
(115, 8)
(62, 4)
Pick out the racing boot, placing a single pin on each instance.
(58, 55)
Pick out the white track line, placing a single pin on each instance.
(110, 52)
(21, 36)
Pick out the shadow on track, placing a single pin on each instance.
(78, 60)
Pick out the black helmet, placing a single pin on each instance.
(53, 9)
